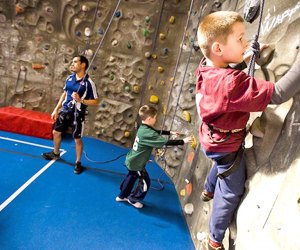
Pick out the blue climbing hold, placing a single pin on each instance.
(94, 67)
(78, 33)
(100, 31)
(118, 14)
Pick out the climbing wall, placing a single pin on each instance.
(145, 52)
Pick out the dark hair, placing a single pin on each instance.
(146, 111)
(83, 59)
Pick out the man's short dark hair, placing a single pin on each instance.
(83, 59)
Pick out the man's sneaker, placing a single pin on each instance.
(78, 168)
(212, 245)
(206, 196)
(121, 199)
(136, 204)
(51, 156)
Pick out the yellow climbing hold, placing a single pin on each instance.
(182, 192)
(160, 69)
(150, 87)
(194, 142)
(186, 116)
(136, 89)
(154, 56)
(162, 82)
(162, 36)
(164, 109)
(126, 133)
(172, 19)
(154, 99)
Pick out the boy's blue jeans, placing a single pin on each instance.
(141, 189)
(227, 194)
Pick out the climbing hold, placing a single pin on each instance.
(147, 19)
(162, 82)
(160, 69)
(94, 67)
(171, 79)
(165, 51)
(19, 9)
(164, 109)
(114, 42)
(23, 68)
(162, 36)
(111, 76)
(100, 31)
(89, 53)
(84, 8)
(103, 131)
(154, 56)
(126, 134)
(189, 188)
(112, 59)
(251, 10)
(103, 104)
(189, 208)
(194, 142)
(150, 87)
(78, 33)
(127, 88)
(129, 46)
(172, 19)
(154, 99)
(87, 31)
(186, 116)
(182, 192)
(147, 54)
(118, 14)
(190, 157)
(37, 66)
(146, 32)
(191, 90)
(136, 89)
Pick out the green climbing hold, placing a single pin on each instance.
(146, 32)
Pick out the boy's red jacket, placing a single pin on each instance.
(224, 98)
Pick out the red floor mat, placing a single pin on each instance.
(26, 122)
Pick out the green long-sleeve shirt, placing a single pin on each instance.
(146, 139)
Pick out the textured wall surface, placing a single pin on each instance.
(148, 55)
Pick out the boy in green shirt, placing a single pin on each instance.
(146, 139)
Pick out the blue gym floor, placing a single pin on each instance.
(43, 205)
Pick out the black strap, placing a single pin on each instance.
(211, 130)
(236, 156)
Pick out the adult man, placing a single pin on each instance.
(79, 92)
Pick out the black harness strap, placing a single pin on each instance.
(236, 158)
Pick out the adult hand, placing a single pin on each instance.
(54, 115)
(76, 97)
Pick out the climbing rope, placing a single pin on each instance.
(93, 24)
(255, 45)
(163, 150)
(177, 63)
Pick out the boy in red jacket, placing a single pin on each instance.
(225, 96)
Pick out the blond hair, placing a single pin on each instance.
(146, 111)
(216, 27)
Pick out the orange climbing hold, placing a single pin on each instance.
(190, 157)
(189, 188)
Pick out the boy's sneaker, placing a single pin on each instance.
(51, 156)
(78, 168)
(121, 199)
(212, 245)
(206, 196)
(136, 204)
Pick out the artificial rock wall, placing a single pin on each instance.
(145, 52)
